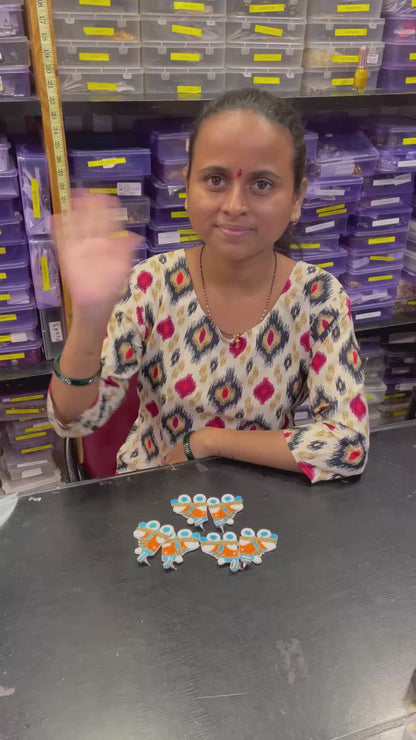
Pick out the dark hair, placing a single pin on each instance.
(274, 109)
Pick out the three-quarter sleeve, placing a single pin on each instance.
(121, 355)
(335, 444)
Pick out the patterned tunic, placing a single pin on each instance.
(190, 377)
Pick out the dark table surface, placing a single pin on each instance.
(317, 643)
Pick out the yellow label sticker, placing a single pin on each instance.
(186, 231)
(409, 140)
(96, 57)
(402, 412)
(179, 214)
(182, 196)
(5, 297)
(267, 8)
(266, 80)
(2, 250)
(380, 258)
(108, 191)
(413, 3)
(6, 338)
(188, 238)
(382, 240)
(101, 3)
(197, 7)
(30, 436)
(345, 58)
(37, 428)
(410, 80)
(38, 397)
(411, 303)
(3, 275)
(35, 198)
(107, 162)
(350, 8)
(412, 55)
(350, 32)
(95, 86)
(328, 210)
(35, 449)
(267, 57)
(337, 82)
(21, 412)
(97, 31)
(187, 30)
(325, 264)
(191, 89)
(181, 57)
(376, 278)
(268, 30)
(396, 395)
(305, 246)
(8, 317)
(45, 274)
(14, 356)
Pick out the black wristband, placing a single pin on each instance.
(187, 446)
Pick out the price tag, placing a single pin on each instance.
(350, 32)
(187, 30)
(35, 198)
(55, 331)
(96, 57)
(268, 30)
(182, 57)
(96, 31)
(266, 80)
(129, 188)
(168, 237)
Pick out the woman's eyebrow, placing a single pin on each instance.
(226, 171)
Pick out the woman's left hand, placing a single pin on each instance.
(202, 444)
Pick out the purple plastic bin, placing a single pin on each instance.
(34, 186)
(11, 230)
(326, 242)
(398, 80)
(9, 185)
(164, 195)
(334, 190)
(311, 143)
(16, 299)
(398, 133)
(374, 220)
(139, 229)
(5, 161)
(335, 224)
(131, 188)
(400, 28)
(397, 161)
(41, 437)
(379, 311)
(315, 211)
(169, 216)
(140, 254)
(15, 82)
(327, 259)
(398, 7)
(381, 184)
(9, 207)
(162, 237)
(399, 54)
(169, 170)
(19, 320)
(388, 201)
(45, 273)
(370, 258)
(109, 164)
(171, 145)
(12, 253)
(364, 239)
(341, 155)
(11, 20)
(16, 276)
(372, 278)
(25, 353)
(9, 338)
(135, 211)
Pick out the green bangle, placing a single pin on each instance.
(75, 381)
(187, 446)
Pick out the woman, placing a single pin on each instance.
(227, 338)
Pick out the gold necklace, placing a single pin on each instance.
(236, 338)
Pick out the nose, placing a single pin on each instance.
(234, 200)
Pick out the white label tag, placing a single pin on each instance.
(18, 337)
(398, 180)
(370, 315)
(344, 169)
(407, 163)
(301, 415)
(384, 201)
(55, 330)
(129, 188)
(385, 222)
(398, 370)
(372, 59)
(169, 237)
(29, 464)
(319, 227)
(330, 192)
(187, 145)
(405, 387)
(31, 472)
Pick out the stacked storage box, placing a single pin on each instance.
(183, 48)
(399, 63)
(265, 44)
(378, 229)
(169, 226)
(27, 442)
(98, 47)
(406, 291)
(373, 358)
(400, 377)
(14, 53)
(335, 179)
(335, 33)
(116, 171)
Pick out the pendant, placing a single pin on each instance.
(237, 340)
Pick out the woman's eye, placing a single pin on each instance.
(215, 180)
(262, 185)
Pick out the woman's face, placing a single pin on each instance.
(241, 194)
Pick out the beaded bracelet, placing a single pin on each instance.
(74, 381)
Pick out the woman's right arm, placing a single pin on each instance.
(95, 261)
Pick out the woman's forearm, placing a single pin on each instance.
(260, 447)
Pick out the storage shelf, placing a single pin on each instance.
(398, 322)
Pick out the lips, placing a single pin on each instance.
(234, 232)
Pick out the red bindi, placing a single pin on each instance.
(239, 173)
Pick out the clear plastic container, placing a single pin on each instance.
(387, 201)
(11, 20)
(183, 54)
(161, 237)
(11, 230)
(22, 441)
(327, 259)
(398, 7)
(34, 186)
(282, 81)
(25, 353)
(400, 28)
(12, 253)
(410, 260)
(292, 9)
(334, 81)
(349, 9)
(333, 190)
(168, 216)
(378, 185)
(372, 357)
(98, 53)
(165, 195)
(5, 160)
(111, 187)
(243, 29)
(135, 210)
(341, 155)
(400, 54)
(397, 133)
(96, 27)
(372, 277)
(16, 276)
(15, 460)
(286, 55)
(345, 29)
(370, 258)
(375, 392)
(391, 413)
(325, 242)
(21, 320)
(109, 164)
(341, 54)
(388, 238)
(379, 219)
(9, 207)
(397, 79)
(45, 273)
(12, 403)
(169, 171)
(140, 254)
(9, 185)
(311, 143)
(311, 211)
(176, 28)
(374, 417)
(14, 52)
(14, 82)
(106, 81)
(186, 83)
(211, 8)
(15, 299)
(368, 306)
(392, 161)
(52, 324)
(406, 292)
(35, 472)
(124, 7)
(169, 144)
(335, 224)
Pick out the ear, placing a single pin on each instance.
(185, 176)
(297, 205)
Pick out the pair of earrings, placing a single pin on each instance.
(196, 510)
(239, 553)
(152, 536)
